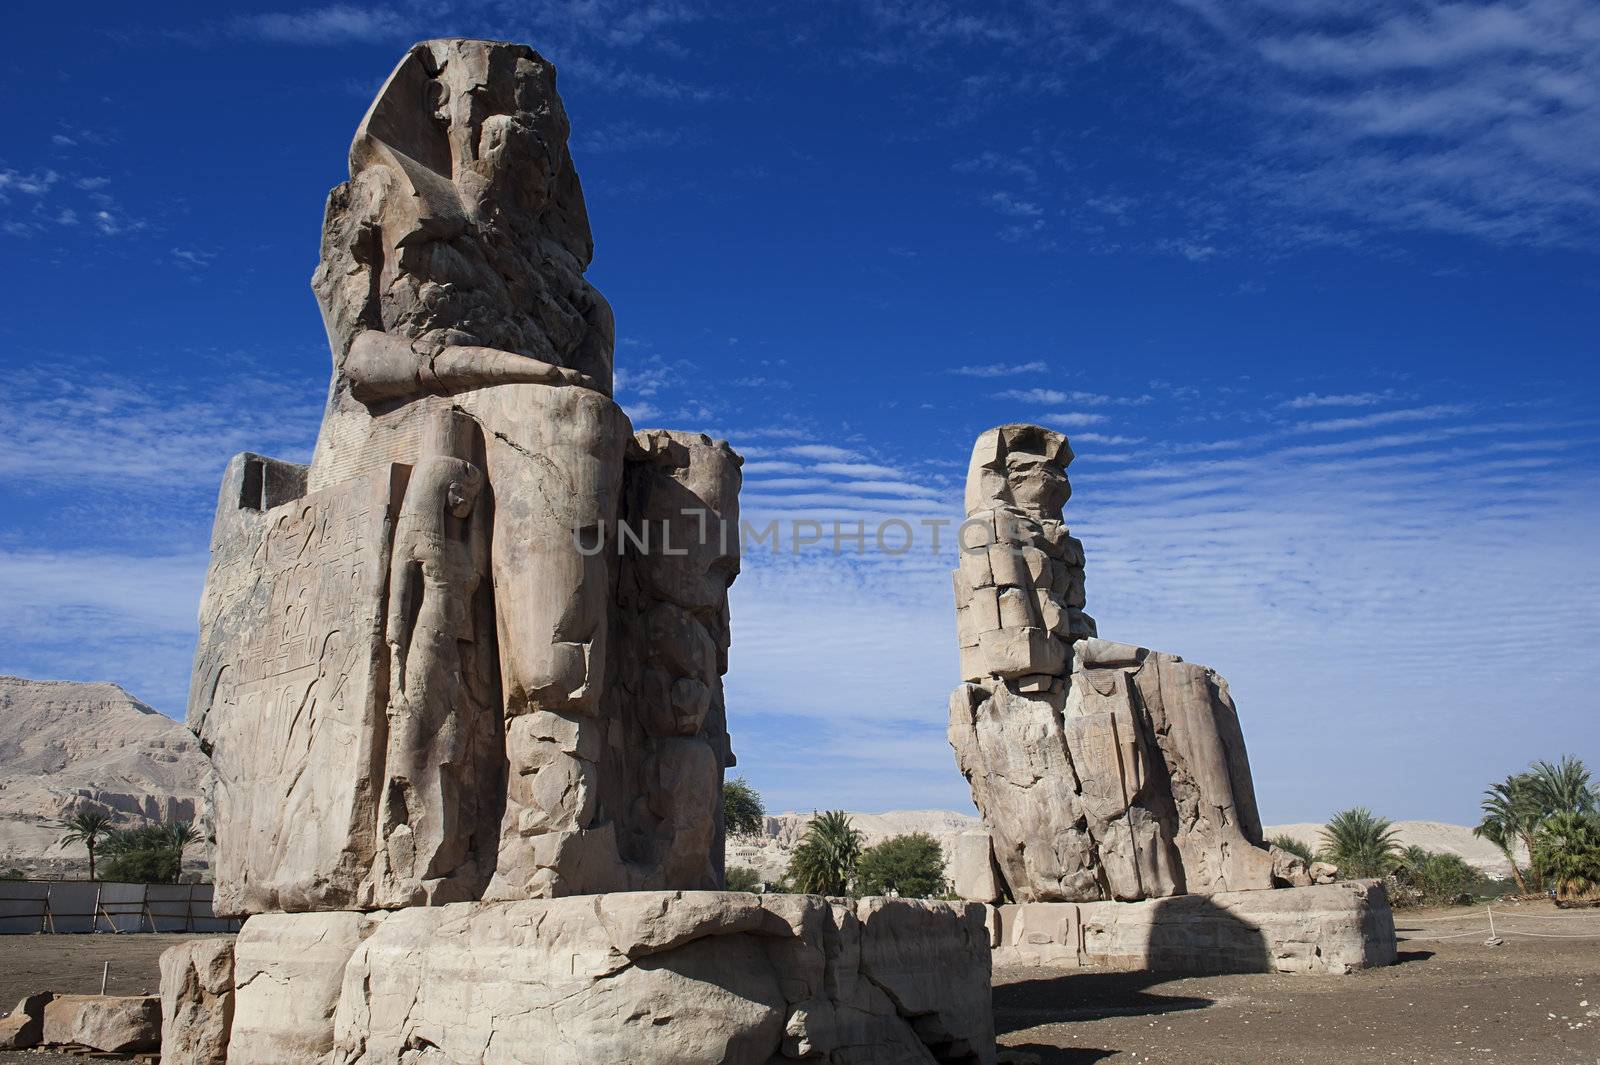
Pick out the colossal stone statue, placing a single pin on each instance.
(431, 669)
(1102, 770)
(468, 664)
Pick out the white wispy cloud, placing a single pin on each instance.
(62, 423)
(332, 25)
(1344, 399)
(1075, 419)
(826, 452)
(1386, 417)
(1013, 206)
(999, 369)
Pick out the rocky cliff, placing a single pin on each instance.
(64, 744)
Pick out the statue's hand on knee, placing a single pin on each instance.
(382, 366)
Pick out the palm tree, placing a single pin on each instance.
(1295, 846)
(1512, 811)
(88, 826)
(1567, 851)
(182, 834)
(1360, 843)
(1563, 787)
(825, 861)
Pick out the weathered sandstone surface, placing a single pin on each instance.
(1102, 770)
(197, 1002)
(663, 977)
(475, 649)
(1335, 929)
(116, 1024)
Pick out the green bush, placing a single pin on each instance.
(1566, 854)
(743, 878)
(1432, 879)
(911, 866)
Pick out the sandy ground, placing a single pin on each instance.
(1532, 1001)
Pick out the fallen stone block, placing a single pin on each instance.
(23, 1027)
(115, 1024)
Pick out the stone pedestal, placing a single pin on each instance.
(668, 978)
(1335, 929)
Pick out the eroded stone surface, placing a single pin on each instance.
(116, 1024)
(467, 680)
(196, 1002)
(1102, 770)
(23, 1027)
(288, 969)
(1332, 929)
(693, 978)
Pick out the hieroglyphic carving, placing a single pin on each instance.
(288, 692)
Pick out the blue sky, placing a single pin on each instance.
(1312, 286)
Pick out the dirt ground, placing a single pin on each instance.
(1532, 1001)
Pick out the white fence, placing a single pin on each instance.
(1497, 922)
(34, 906)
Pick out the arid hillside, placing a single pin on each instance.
(64, 744)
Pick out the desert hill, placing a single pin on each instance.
(769, 854)
(63, 744)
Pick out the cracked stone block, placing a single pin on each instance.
(678, 978)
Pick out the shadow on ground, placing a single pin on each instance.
(1058, 1056)
(1085, 996)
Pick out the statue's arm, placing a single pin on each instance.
(382, 366)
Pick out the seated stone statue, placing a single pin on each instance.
(1102, 771)
(462, 700)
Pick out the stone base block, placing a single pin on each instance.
(1336, 928)
(669, 978)
(197, 1002)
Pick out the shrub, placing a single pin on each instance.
(911, 866)
(743, 878)
(1433, 879)
(1566, 853)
